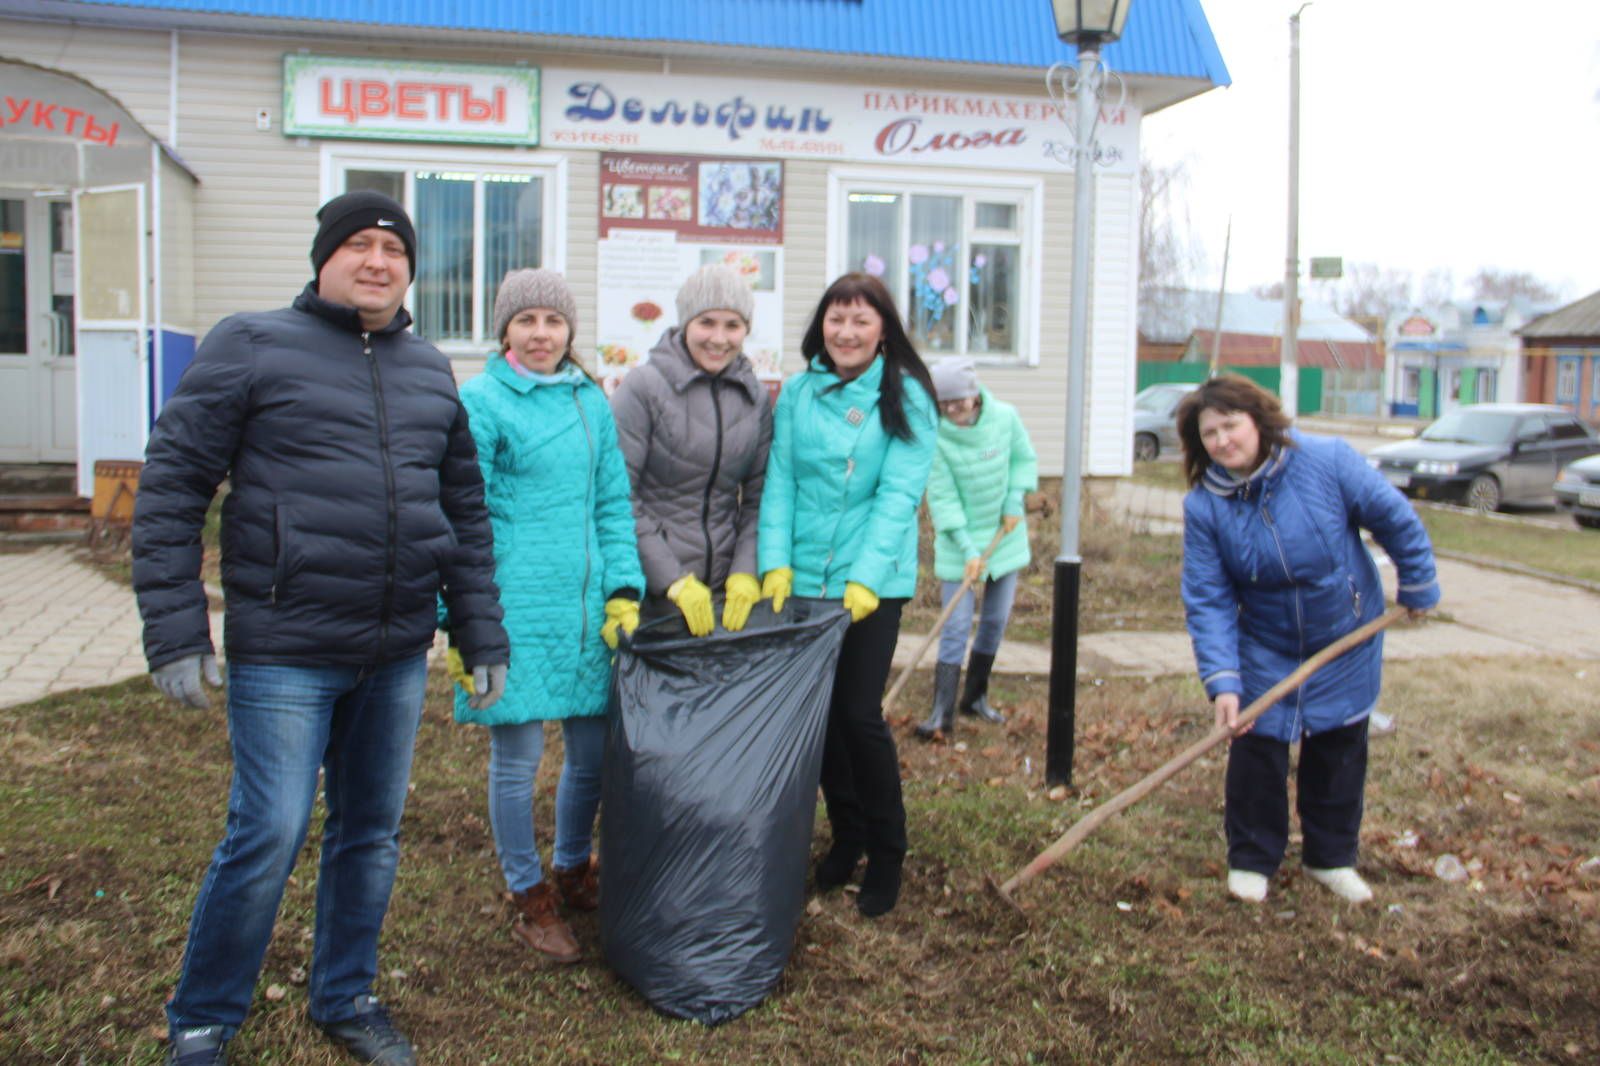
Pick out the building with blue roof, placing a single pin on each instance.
(623, 143)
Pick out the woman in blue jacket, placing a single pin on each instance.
(853, 440)
(567, 565)
(1274, 570)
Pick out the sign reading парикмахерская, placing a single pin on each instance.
(737, 116)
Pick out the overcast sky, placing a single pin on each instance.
(1434, 133)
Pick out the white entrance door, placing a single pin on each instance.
(38, 407)
(113, 344)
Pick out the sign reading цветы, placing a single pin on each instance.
(330, 96)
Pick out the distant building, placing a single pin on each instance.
(1341, 363)
(1561, 358)
(1455, 354)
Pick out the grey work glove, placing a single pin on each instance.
(488, 685)
(180, 679)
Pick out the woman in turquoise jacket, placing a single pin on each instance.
(984, 468)
(852, 441)
(568, 569)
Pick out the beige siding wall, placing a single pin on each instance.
(131, 66)
(253, 210)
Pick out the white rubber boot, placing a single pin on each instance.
(1342, 881)
(1247, 885)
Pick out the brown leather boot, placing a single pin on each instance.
(580, 885)
(540, 927)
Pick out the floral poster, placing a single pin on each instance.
(662, 217)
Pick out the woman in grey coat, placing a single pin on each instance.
(695, 425)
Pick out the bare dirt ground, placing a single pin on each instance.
(111, 800)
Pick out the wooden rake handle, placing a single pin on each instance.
(944, 616)
(1139, 790)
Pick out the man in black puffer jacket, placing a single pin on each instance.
(356, 503)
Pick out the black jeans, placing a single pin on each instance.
(1332, 776)
(860, 768)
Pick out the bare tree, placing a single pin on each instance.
(1167, 254)
(1491, 284)
(1438, 286)
(1369, 291)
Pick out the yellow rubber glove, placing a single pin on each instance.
(621, 614)
(777, 585)
(458, 670)
(742, 593)
(859, 600)
(694, 600)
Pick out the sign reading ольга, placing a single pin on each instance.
(381, 99)
(722, 116)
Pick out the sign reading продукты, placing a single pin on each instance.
(379, 99)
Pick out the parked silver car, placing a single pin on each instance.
(1154, 426)
(1578, 491)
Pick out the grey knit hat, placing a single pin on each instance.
(530, 287)
(714, 287)
(954, 378)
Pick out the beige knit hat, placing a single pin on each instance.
(714, 287)
(530, 287)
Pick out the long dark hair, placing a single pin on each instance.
(900, 359)
(1227, 394)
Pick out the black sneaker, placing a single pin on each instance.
(204, 1046)
(370, 1036)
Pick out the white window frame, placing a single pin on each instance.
(549, 167)
(1567, 365)
(1026, 192)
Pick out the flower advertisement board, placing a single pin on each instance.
(662, 217)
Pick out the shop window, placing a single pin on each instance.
(1411, 386)
(1566, 380)
(474, 223)
(953, 258)
(1487, 382)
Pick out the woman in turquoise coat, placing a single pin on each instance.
(852, 442)
(568, 569)
(983, 470)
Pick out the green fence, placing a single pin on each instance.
(1265, 376)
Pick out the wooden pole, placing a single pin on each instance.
(1128, 797)
(944, 616)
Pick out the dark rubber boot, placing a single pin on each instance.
(975, 697)
(835, 869)
(942, 719)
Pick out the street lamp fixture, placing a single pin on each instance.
(1090, 21)
(1087, 24)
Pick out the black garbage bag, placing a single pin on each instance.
(713, 752)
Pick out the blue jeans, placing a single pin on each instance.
(358, 725)
(514, 754)
(998, 594)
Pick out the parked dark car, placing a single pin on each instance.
(1578, 490)
(1154, 424)
(1487, 455)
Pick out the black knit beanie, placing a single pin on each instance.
(353, 212)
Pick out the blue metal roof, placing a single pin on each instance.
(1164, 38)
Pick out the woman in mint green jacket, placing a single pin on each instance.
(852, 442)
(984, 467)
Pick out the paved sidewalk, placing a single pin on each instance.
(64, 625)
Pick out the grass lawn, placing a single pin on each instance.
(1571, 552)
(110, 801)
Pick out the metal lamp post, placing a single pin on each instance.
(1289, 364)
(1087, 24)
